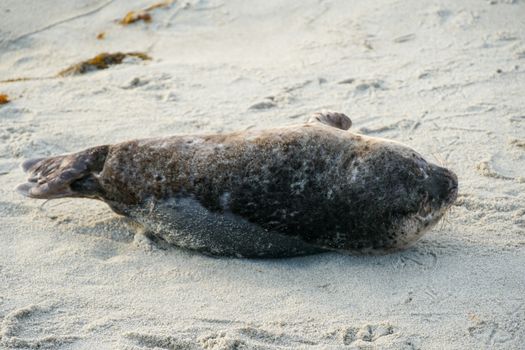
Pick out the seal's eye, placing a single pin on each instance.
(420, 173)
(419, 166)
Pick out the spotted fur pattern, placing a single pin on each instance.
(277, 192)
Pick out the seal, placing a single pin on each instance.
(280, 192)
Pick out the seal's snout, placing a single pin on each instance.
(453, 184)
(444, 185)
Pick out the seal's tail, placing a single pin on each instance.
(72, 175)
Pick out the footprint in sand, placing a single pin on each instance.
(369, 86)
(502, 166)
(19, 142)
(417, 259)
(155, 341)
(12, 139)
(8, 209)
(368, 336)
(282, 98)
(244, 337)
(267, 104)
(404, 38)
(34, 326)
(252, 337)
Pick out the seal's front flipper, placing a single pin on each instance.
(333, 119)
(72, 175)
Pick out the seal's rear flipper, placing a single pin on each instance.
(28, 164)
(72, 175)
(333, 119)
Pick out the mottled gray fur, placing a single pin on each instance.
(271, 193)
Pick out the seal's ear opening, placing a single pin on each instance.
(72, 175)
(333, 119)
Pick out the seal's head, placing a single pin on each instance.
(415, 194)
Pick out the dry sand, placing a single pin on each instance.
(446, 77)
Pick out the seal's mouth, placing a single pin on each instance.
(453, 193)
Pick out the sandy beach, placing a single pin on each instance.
(446, 78)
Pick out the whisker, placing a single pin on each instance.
(41, 206)
(439, 158)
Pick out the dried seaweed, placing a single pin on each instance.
(144, 15)
(101, 61)
(132, 17)
(159, 5)
(4, 99)
(14, 80)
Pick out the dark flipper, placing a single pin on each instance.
(72, 175)
(333, 119)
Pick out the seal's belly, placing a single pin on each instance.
(184, 222)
